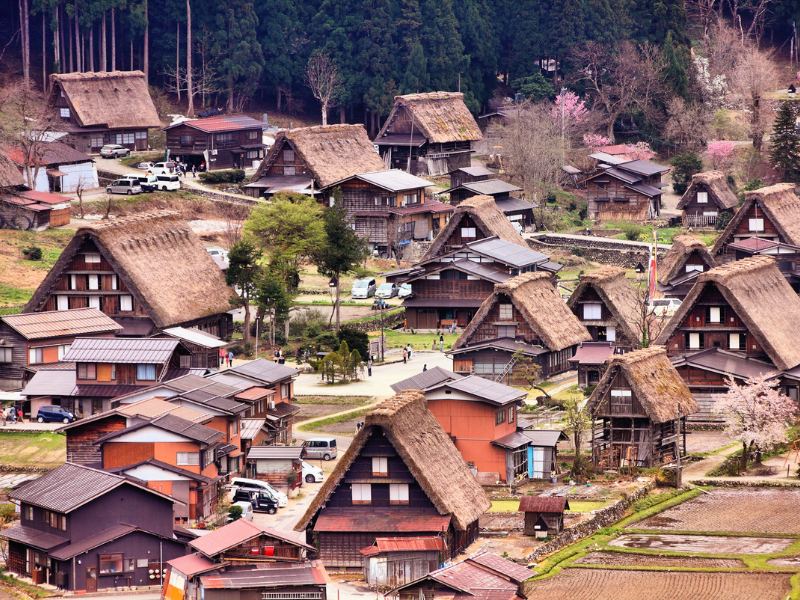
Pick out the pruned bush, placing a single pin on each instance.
(224, 176)
(632, 231)
(32, 253)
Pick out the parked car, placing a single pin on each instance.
(54, 414)
(322, 447)
(261, 501)
(168, 183)
(311, 474)
(257, 484)
(387, 290)
(363, 288)
(216, 251)
(665, 307)
(247, 510)
(164, 168)
(114, 151)
(145, 166)
(404, 291)
(125, 185)
(146, 181)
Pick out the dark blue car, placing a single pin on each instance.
(54, 414)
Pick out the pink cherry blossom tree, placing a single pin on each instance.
(570, 114)
(593, 141)
(640, 151)
(757, 415)
(720, 153)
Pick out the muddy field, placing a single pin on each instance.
(702, 544)
(642, 560)
(762, 510)
(602, 584)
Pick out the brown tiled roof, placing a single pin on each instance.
(498, 564)
(33, 537)
(122, 350)
(61, 323)
(394, 520)
(543, 504)
(267, 576)
(238, 532)
(405, 544)
(192, 564)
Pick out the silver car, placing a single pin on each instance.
(124, 186)
(113, 151)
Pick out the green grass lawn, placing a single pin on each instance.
(418, 341)
(504, 506)
(43, 450)
(587, 505)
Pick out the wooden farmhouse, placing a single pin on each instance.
(769, 213)
(218, 142)
(147, 272)
(30, 340)
(707, 199)
(628, 191)
(58, 168)
(100, 108)
(396, 561)
(243, 561)
(309, 159)
(681, 265)
(525, 316)
(204, 347)
(74, 534)
(390, 209)
(428, 134)
(639, 411)
(400, 476)
(544, 515)
(787, 256)
(34, 211)
(466, 182)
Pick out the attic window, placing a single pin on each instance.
(398, 493)
(714, 314)
(289, 170)
(691, 268)
(288, 155)
(64, 113)
(468, 232)
(380, 466)
(702, 197)
(756, 224)
(91, 258)
(361, 493)
(506, 312)
(592, 311)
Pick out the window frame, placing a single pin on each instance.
(140, 366)
(87, 371)
(364, 493)
(588, 314)
(505, 311)
(111, 556)
(702, 197)
(91, 258)
(129, 300)
(500, 417)
(758, 222)
(398, 494)
(469, 232)
(715, 311)
(380, 466)
(739, 341)
(6, 355)
(187, 459)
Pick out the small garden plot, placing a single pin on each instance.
(762, 510)
(651, 560)
(702, 544)
(607, 584)
(790, 561)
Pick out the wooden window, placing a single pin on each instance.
(87, 371)
(28, 513)
(62, 523)
(6, 355)
(53, 519)
(62, 350)
(35, 356)
(110, 563)
(73, 282)
(91, 258)
(96, 141)
(361, 493)
(690, 268)
(223, 137)
(253, 135)
(125, 303)
(735, 341)
(709, 213)
(288, 155)
(114, 282)
(62, 302)
(468, 232)
(64, 112)
(106, 372)
(756, 224)
(380, 466)
(507, 331)
(694, 341)
(186, 362)
(714, 314)
(398, 493)
(94, 282)
(593, 311)
(94, 302)
(500, 417)
(510, 414)
(611, 334)
(702, 197)
(187, 459)
(140, 135)
(289, 170)
(187, 140)
(506, 312)
(146, 372)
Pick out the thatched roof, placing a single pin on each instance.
(540, 304)
(780, 205)
(656, 384)
(113, 99)
(331, 152)
(675, 258)
(617, 293)
(720, 192)
(440, 116)
(763, 300)
(488, 219)
(162, 262)
(427, 451)
(10, 175)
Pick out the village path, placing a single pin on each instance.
(696, 472)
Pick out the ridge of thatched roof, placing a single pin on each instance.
(780, 204)
(331, 152)
(717, 184)
(675, 258)
(487, 217)
(161, 261)
(536, 298)
(114, 99)
(762, 299)
(440, 116)
(617, 294)
(427, 451)
(655, 382)
(10, 175)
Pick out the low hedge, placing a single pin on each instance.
(224, 176)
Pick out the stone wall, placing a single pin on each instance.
(622, 253)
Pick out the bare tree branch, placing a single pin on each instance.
(322, 76)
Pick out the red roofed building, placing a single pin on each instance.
(28, 210)
(395, 561)
(218, 142)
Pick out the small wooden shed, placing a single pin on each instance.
(276, 464)
(544, 515)
(395, 561)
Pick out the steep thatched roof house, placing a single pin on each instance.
(642, 402)
(309, 159)
(523, 316)
(769, 213)
(100, 108)
(147, 272)
(428, 491)
(10, 175)
(707, 197)
(683, 262)
(428, 134)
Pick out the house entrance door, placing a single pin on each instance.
(91, 579)
(538, 463)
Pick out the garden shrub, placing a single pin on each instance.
(224, 176)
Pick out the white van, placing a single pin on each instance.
(168, 183)
(324, 448)
(257, 484)
(164, 168)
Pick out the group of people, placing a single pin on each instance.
(440, 343)
(225, 356)
(11, 414)
(408, 352)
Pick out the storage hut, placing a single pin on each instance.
(395, 561)
(544, 515)
(279, 465)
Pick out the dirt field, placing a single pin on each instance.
(600, 584)
(747, 510)
(642, 560)
(704, 544)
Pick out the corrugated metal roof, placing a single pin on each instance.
(490, 187)
(545, 437)
(394, 180)
(264, 371)
(512, 204)
(59, 323)
(194, 431)
(192, 564)
(152, 408)
(267, 575)
(543, 504)
(405, 544)
(508, 253)
(255, 393)
(506, 344)
(93, 541)
(33, 537)
(250, 427)
(497, 393)
(122, 350)
(414, 302)
(394, 520)
(238, 532)
(275, 453)
(50, 383)
(477, 171)
(221, 123)
(498, 564)
(195, 336)
(474, 579)
(643, 167)
(425, 380)
(593, 353)
(643, 188)
(608, 159)
(516, 439)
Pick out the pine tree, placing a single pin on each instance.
(416, 78)
(785, 141)
(442, 44)
(676, 66)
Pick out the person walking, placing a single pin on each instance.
(433, 344)
(194, 171)
(222, 355)
(410, 351)
(405, 355)
(369, 367)
(230, 358)
(441, 343)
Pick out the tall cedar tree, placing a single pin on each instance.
(481, 47)
(284, 45)
(243, 274)
(683, 167)
(273, 297)
(342, 251)
(785, 142)
(442, 44)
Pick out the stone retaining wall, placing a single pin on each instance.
(752, 483)
(614, 252)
